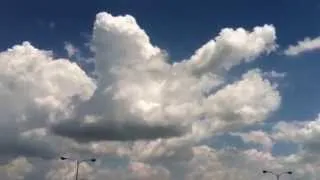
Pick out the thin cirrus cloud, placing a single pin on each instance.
(143, 109)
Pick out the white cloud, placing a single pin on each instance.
(306, 45)
(233, 108)
(142, 117)
(305, 133)
(35, 89)
(143, 92)
(130, 171)
(71, 49)
(257, 137)
(232, 47)
(208, 163)
(16, 169)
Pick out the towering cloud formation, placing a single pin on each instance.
(140, 95)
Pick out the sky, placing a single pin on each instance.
(179, 90)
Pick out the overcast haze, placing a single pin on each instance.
(157, 90)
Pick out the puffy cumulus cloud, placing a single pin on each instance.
(232, 47)
(205, 163)
(129, 171)
(150, 113)
(303, 46)
(35, 89)
(16, 169)
(305, 133)
(140, 95)
(228, 164)
(231, 107)
(161, 150)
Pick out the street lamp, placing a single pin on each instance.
(276, 174)
(78, 162)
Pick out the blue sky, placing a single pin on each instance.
(180, 28)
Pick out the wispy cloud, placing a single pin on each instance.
(303, 46)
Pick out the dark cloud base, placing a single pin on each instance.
(114, 131)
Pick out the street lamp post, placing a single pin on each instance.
(277, 174)
(78, 162)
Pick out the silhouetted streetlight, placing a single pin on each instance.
(276, 174)
(78, 162)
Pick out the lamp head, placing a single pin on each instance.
(264, 171)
